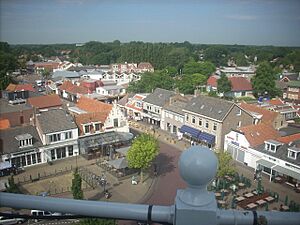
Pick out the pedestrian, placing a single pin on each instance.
(254, 177)
(281, 207)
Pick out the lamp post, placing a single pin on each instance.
(76, 153)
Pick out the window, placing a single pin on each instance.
(38, 155)
(200, 122)
(206, 124)
(116, 122)
(273, 148)
(239, 112)
(193, 120)
(28, 157)
(97, 126)
(52, 154)
(68, 135)
(87, 129)
(215, 126)
(292, 154)
(33, 158)
(70, 150)
(54, 137)
(187, 118)
(25, 142)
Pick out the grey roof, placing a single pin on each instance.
(177, 105)
(282, 152)
(55, 120)
(209, 106)
(112, 87)
(8, 108)
(10, 144)
(159, 97)
(65, 74)
(289, 130)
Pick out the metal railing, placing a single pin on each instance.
(193, 206)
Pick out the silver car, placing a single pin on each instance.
(9, 221)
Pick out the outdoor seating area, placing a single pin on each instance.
(117, 167)
(236, 191)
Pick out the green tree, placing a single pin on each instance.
(142, 152)
(264, 81)
(78, 194)
(224, 85)
(76, 186)
(225, 165)
(12, 187)
(206, 68)
(46, 73)
(8, 63)
(184, 84)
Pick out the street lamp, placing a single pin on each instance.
(76, 153)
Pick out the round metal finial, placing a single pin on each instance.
(198, 166)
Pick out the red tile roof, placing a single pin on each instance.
(240, 84)
(91, 105)
(4, 124)
(20, 87)
(256, 134)
(268, 116)
(47, 101)
(68, 86)
(290, 138)
(276, 102)
(212, 81)
(89, 118)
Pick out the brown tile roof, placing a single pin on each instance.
(89, 118)
(276, 101)
(268, 116)
(145, 65)
(240, 84)
(4, 124)
(256, 134)
(46, 101)
(290, 138)
(68, 86)
(212, 81)
(20, 87)
(91, 105)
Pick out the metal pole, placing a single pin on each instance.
(160, 214)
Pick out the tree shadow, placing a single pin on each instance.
(164, 164)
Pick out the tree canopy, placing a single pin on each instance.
(264, 81)
(8, 63)
(143, 151)
(224, 84)
(76, 186)
(225, 165)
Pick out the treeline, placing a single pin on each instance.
(162, 55)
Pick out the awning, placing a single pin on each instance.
(265, 163)
(209, 138)
(123, 151)
(190, 130)
(119, 163)
(287, 172)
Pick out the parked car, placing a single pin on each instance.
(8, 221)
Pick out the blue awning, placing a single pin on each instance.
(190, 130)
(209, 138)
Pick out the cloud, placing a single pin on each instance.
(242, 17)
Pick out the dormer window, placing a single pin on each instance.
(293, 152)
(25, 140)
(272, 145)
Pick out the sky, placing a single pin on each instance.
(247, 22)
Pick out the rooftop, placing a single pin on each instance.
(5, 107)
(257, 134)
(210, 107)
(159, 97)
(46, 101)
(91, 105)
(11, 144)
(240, 84)
(55, 120)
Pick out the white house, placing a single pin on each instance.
(58, 133)
(261, 148)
